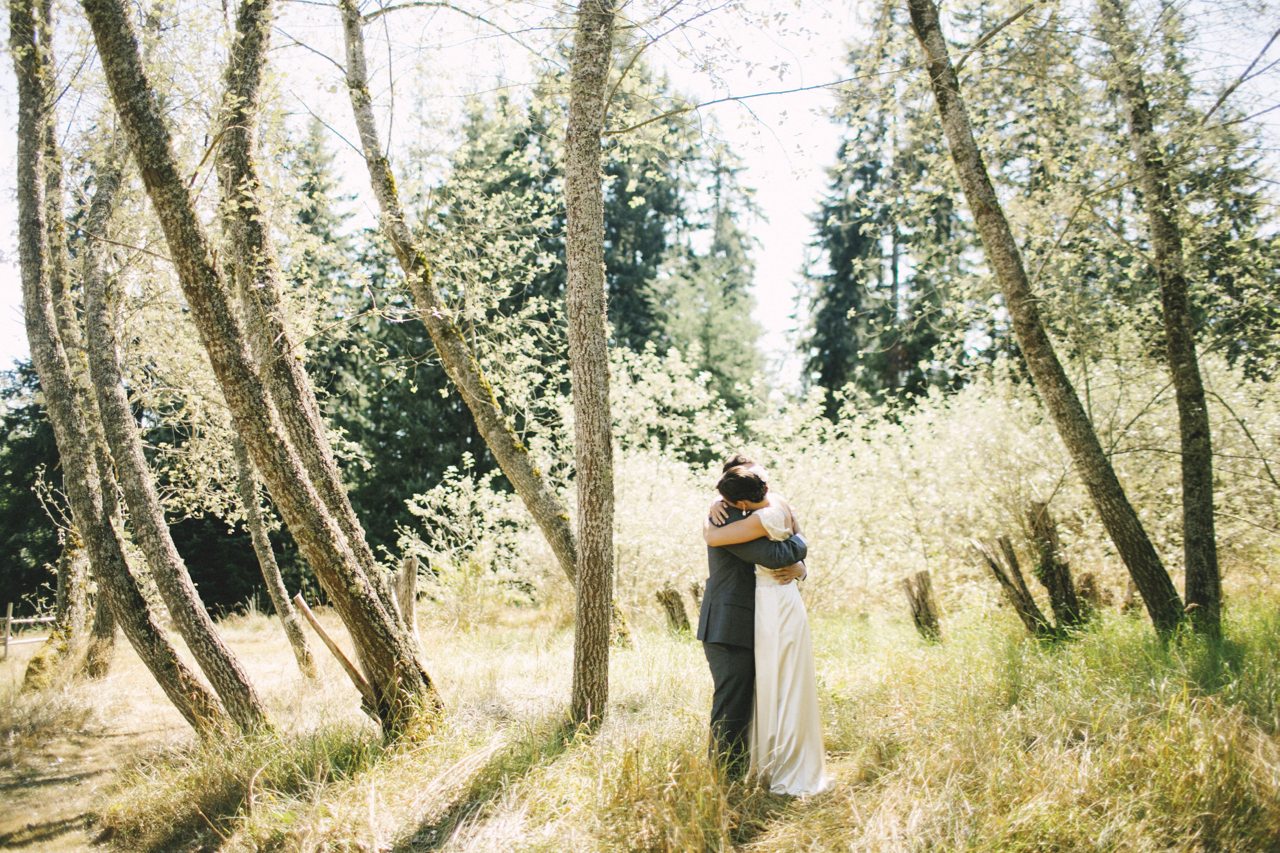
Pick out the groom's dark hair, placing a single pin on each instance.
(737, 460)
(742, 484)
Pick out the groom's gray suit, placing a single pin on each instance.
(726, 627)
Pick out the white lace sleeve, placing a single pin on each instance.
(775, 521)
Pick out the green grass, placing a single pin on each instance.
(987, 741)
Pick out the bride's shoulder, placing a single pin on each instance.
(776, 518)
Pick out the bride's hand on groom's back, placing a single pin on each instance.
(718, 512)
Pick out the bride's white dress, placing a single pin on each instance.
(786, 732)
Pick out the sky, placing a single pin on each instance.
(786, 142)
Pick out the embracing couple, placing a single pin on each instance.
(753, 628)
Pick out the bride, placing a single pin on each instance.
(786, 730)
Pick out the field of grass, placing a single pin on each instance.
(987, 741)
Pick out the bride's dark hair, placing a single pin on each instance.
(737, 460)
(742, 484)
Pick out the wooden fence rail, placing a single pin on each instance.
(9, 622)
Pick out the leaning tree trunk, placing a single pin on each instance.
(1055, 389)
(247, 485)
(402, 689)
(80, 474)
(1199, 544)
(1003, 564)
(924, 607)
(68, 323)
(1051, 567)
(258, 280)
(589, 357)
(102, 638)
(456, 355)
(146, 515)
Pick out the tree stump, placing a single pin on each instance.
(407, 592)
(1051, 569)
(673, 606)
(1004, 565)
(1093, 596)
(924, 608)
(695, 590)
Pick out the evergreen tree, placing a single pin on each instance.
(890, 244)
(705, 298)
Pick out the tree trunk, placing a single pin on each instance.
(247, 483)
(673, 606)
(1051, 568)
(1199, 543)
(400, 683)
(71, 617)
(80, 475)
(1055, 389)
(407, 595)
(589, 357)
(924, 608)
(102, 638)
(257, 275)
(146, 515)
(1009, 574)
(456, 356)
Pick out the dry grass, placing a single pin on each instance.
(985, 742)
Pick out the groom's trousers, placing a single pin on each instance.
(733, 670)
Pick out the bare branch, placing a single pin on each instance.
(1244, 76)
(438, 4)
(740, 98)
(993, 32)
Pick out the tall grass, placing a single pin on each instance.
(987, 741)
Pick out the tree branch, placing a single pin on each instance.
(1244, 76)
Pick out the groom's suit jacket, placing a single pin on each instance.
(728, 613)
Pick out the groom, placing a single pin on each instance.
(726, 627)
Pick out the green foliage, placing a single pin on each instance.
(705, 298)
(465, 533)
(899, 285)
(885, 309)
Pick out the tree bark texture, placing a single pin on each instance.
(589, 357)
(71, 617)
(257, 274)
(456, 356)
(400, 682)
(102, 638)
(673, 606)
(247, 484)
(80, 474)
(1051, 568)
(146, 514)
(407, 595)
(1199, 542)
(1119, 517)
(924, 607)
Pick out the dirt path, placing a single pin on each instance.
(67, 745)
(48, 798)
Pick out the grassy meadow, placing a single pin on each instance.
(986, 741)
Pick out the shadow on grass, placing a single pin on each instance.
(755, 809)
(540, 745)
(43, 833)
(192, 798)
